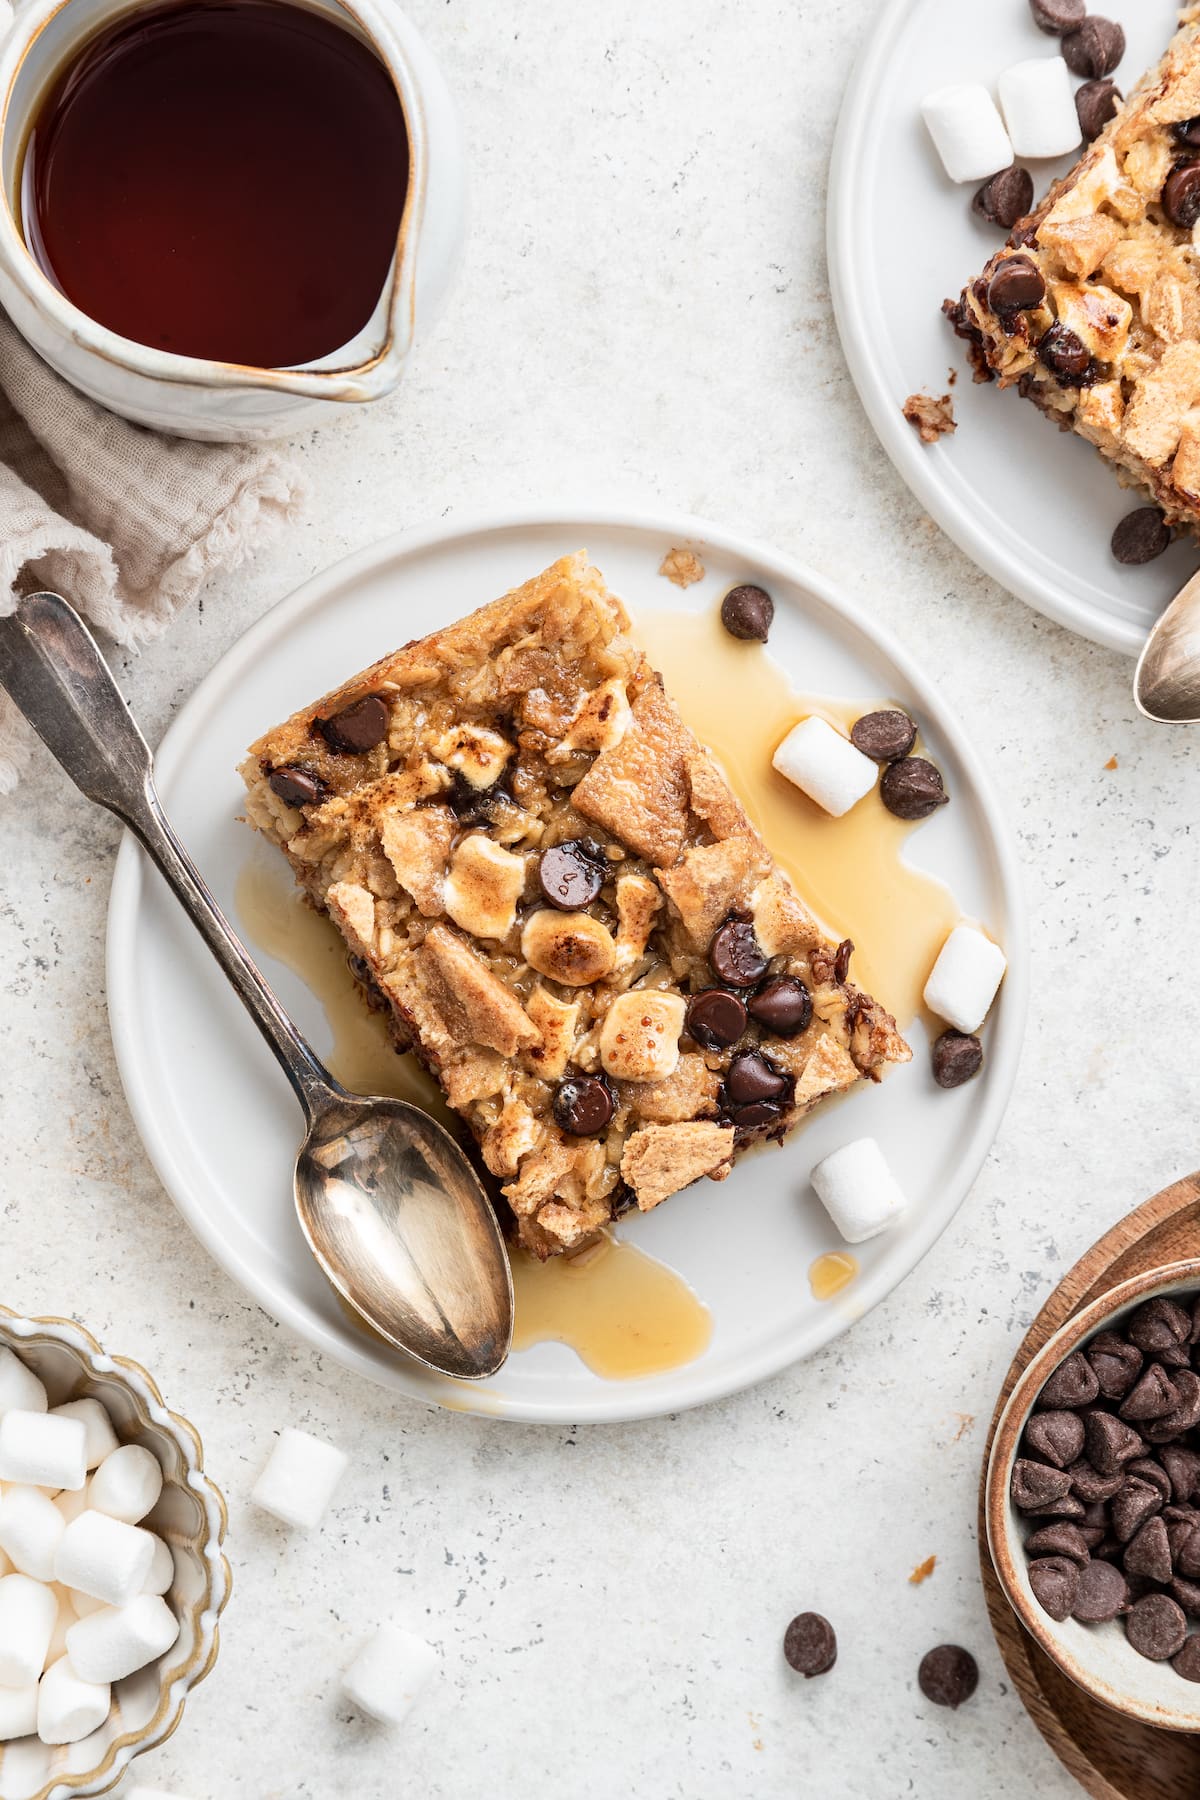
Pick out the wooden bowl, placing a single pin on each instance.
(190, 1516)
(1098, 1657)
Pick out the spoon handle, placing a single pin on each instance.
(52, 668)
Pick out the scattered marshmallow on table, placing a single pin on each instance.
(388, 1673)
(965, 978)
(100, 1438)
(119, 1640)
(826, 765)
(1038, 103)
(19, 1386)
(299, 1478)
(28, 1610)
(42, 1451)
(127, 1484)
(31, 1529)
(104, 1557)
(967, 131)
(18, 1711)
(858, 1190)
(69, 1708)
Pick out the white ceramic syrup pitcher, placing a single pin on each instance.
(191, 396)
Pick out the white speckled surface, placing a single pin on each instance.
(643, 315)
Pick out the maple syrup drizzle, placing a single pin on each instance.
(831, 1273)
(622, 1312)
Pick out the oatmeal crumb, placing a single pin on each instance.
(683, 567)
(930, 417)
(1112, 763)
(952, 377)
(923, 1571)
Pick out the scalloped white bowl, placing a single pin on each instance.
(190, 1515)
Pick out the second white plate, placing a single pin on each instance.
(218, 1118)
(1035, 509)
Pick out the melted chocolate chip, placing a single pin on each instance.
(948, 1675)
(912, 788)
(747, 612)
(1141, 536)
(1067, 357)
(357, 728)
(572, 874)
(1006, 198)
(716, 1019)
(1181, 194)
(476, 806)
(1016, 286)
(782, 1007)
(750, 1118)
(1187, 132)
(583, 1105)
(751, 1080)
(841, 962)
(297, 787)
(736, 956)
(957, 1058)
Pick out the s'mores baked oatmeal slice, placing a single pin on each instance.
(1093, 308)
(546, 881)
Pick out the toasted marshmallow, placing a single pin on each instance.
(483, 886)
(967, 131)
(1097, 316)
(570, 947)
(1096, 185)
(478, 754)
(600, 723)
(1038, 103)
(639, 1040)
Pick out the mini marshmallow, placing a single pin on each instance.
(28, 1610)
(82, 1604)
(72, 1504)
(1038, 102)
(162, 1569)
(70, 1708)
(101, 1439)
(388, 1673)
(967, 131)
(299, 1478)
(31, 1528)
(65, 1619)
(119, 1640)
(18, 1712)
(104, 1557)
(858, 1190)
(826, 766)
(42, 1451)
(127, 1484)
(963, 981)
(19, 1386)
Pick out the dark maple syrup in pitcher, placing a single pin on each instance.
(220, 178)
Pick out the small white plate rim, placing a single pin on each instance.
(617, 1401)
(911, 458)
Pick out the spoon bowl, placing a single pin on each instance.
(1166, 684)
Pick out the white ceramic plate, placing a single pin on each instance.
(1036, 509)
(219, 1120)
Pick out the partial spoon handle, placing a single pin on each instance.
(52, 668)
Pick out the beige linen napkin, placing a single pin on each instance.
(127, 525)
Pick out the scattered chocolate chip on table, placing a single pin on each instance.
(748, 612)
(884, 736)
(957, 1058)
(948, 1675)
(912, 788)
(810, 1645)
(1141, 536)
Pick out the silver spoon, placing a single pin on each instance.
(392, 1210)
(1166, 685)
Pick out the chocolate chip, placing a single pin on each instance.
(1151, 1396)
(1141, 536)
(1158, 1325)
(572, 874)
(1058, 16)
(1117, 1364)
(948, 1675)
(957, 1058)
(1096, 103)
(297, 787)
(1186, 1412)
(1187, 131)
(1036, 1485)
(1062, 1539)
(583, 1105)
(1094, 49)
(716, 1019)
(841, 962)
(736, 956)
(747, 612)
(810, 1645)
(1147, 1469)
(1092, 1487)
(884, 736)
(1187, 1595)
(1017, 285)
(912, 789)
(1183, 1467)
(1149, 1552)
(751, 1080)
(357, 728)
(1069, 1507)
(1176, 1356)
(755, 1116)
(1004, 199)
(1055, 1437)
(1072, 1384)
(1156, 1627)
(782, 1007)
(1101, 1594)
(1183, 1535)
(1136, 1502)
(1181, 194)
(1055, 1583)
(1187, 1663)
(1067, 357)
(1111, 1443)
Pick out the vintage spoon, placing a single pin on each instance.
(1166, 685)
(391, 1208)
